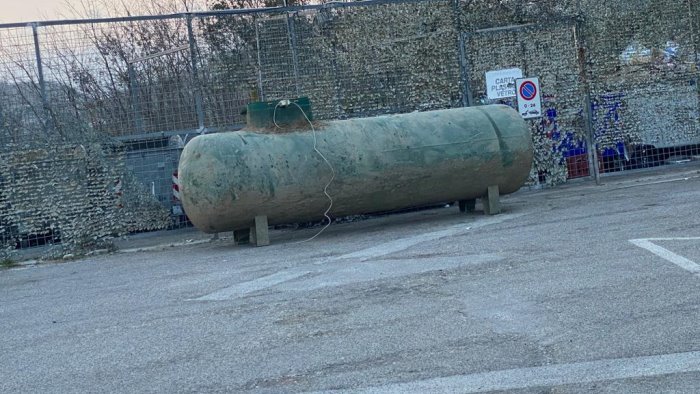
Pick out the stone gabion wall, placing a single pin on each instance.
(643, 69)
(351, 61)
(382, 59)
(366, 60)
(71, 197)
(551, 54)
(636, 61)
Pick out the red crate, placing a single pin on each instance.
(578, 166)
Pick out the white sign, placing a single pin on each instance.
(501, 84)
(529, 98)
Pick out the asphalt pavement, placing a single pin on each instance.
(581, 288)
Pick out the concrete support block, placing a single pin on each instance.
(467, 205)
(252, 235)
(492, 201)
(259, 233)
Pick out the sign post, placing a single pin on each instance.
(529, 98)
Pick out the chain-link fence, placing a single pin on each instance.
(643, 73)
(94, 113)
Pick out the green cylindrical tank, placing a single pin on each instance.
(382, 163)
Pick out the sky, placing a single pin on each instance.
(29, 10)
(36, 10)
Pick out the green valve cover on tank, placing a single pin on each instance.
(266, 113)
(382, 163)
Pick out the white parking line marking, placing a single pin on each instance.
(338, 277)
(342, 274)
(405, 243)
(548, 376)
(666, 254)
(244, 288)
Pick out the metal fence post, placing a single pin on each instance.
(195, 73)
(6, 133)
(42, 83)
(467, 99)
(293, 49)
(463, 66)
(694, 13)
(135, 103)
(257, 47)
(587, 112)
(337, 87)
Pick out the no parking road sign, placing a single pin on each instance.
(529, 100)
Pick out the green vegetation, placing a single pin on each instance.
(8, 263)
